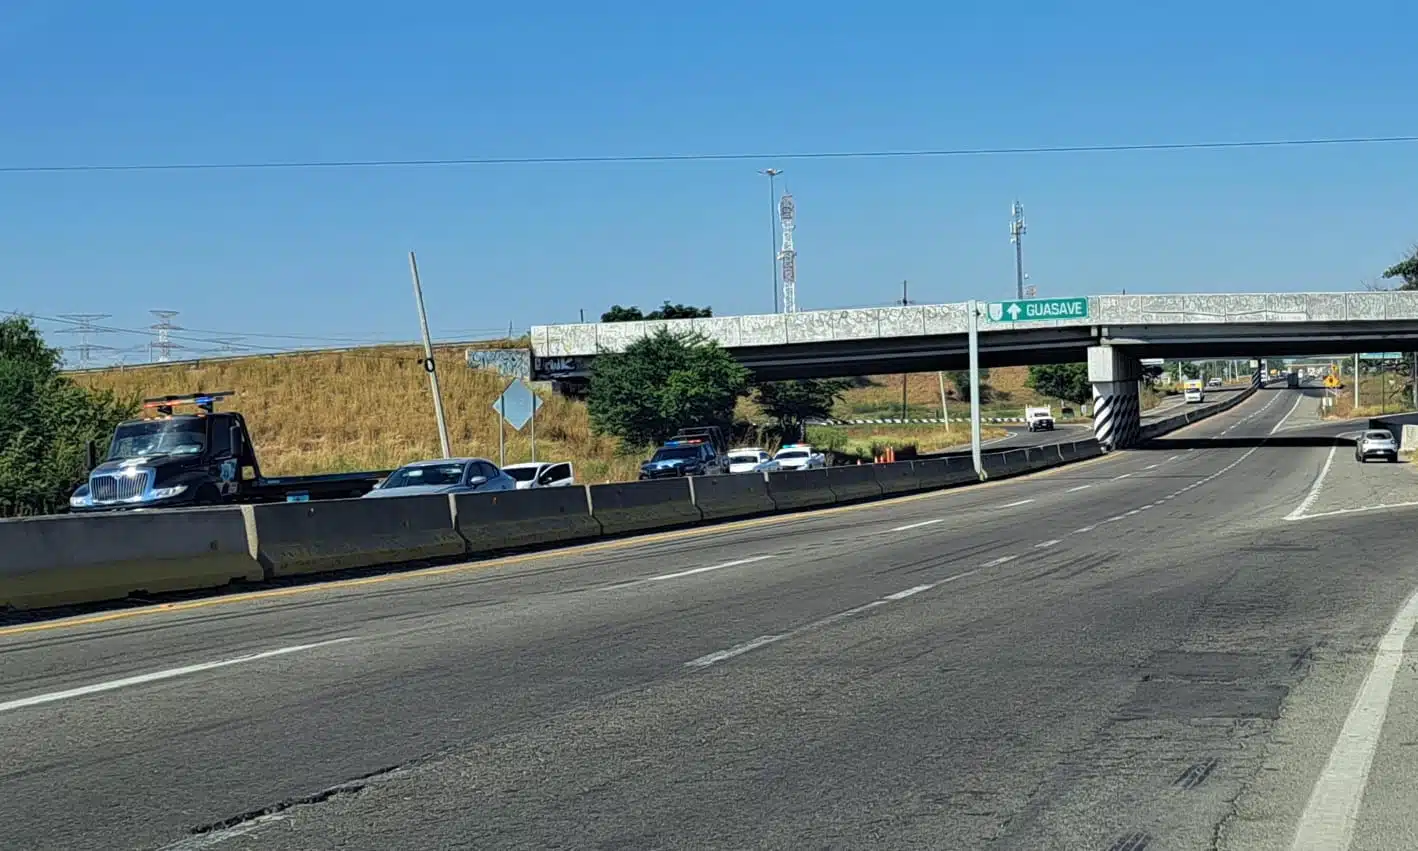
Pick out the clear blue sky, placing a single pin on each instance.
(322, 253)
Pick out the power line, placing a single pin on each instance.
(719, 157)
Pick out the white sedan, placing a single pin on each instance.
(747, 459)
(795, 456)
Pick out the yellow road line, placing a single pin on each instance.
(505, 561)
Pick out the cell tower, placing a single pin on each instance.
(787, 213)
(1016, 236)
(86, 328)
(162, 347)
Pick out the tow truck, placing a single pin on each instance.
(1193, 390)
(170, 460)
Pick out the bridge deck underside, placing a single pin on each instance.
(845, 358)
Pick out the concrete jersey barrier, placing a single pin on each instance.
(299, 538)
(737, 495)
(70, 560)
(937, 473)
(898, 477)
(512, 519)
(849, 484)
(797, 489)
(642, 506)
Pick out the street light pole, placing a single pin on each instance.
(773, 230)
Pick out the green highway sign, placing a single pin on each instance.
(1038, 309)
(1381, 356)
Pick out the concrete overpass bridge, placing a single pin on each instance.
(1113, 333)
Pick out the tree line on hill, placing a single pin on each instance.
(46, 423)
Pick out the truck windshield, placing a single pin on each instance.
(521, 474)
(178, 436)
(675, 453)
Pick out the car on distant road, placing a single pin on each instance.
(1375, 443)
(446, 475)
(1039, 419)
(541, 474)
(1215, 382)
(746, 459)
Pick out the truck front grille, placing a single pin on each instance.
(116, 488)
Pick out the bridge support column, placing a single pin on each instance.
(1117, 411)
(1257, 373)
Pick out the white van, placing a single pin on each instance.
(541, 474)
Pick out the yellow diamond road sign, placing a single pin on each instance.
(1331, 381)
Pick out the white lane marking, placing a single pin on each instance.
(999, 561)
(1150, 467)
(1174, 457)
(917, 525)
(736, 650)
(1083, 531)
(1017, 504)
(1281, 424)
(736, 563)
(1360, 510)
(1046, 544)
(1079, 488)
(901, 595)
(1315, 487)
(1123, 476)
(157, 676)
(1328, 820)
(765, 640)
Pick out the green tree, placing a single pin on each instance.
(1406, 271)
(46, 423)
(662, 383)
(665, 311)
(792, 403)
(961, 379)
(1067, 381)
(622, 314)
(680, 311)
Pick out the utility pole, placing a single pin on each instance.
(1016, 236)
(162, 347)
(772, 174)
(904, 303)
(86, 346)
(428, 364)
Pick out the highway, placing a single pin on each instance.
(1020, 436)
(1155, 649)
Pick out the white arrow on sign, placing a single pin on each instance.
(1014, 311)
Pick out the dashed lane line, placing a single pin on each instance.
(765, 640)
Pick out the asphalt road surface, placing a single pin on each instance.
(1020, 436)
(1158, 649)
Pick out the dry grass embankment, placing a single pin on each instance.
(371, 409)
(1390, 392)
(364, 409)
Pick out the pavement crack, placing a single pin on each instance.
(353, 786)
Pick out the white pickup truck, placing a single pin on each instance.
(1039, 419)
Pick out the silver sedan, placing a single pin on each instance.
(448, 475)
